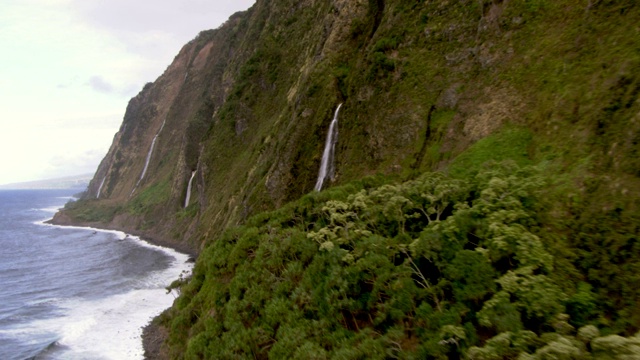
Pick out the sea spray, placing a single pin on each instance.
(326, 165)
(188, 197)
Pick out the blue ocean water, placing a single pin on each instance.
(75, 293)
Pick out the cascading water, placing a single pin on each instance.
(188, 197)
(100, 187)
(146, 162)
(326, 165)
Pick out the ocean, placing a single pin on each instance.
(75, 293)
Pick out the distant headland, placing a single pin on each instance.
(68, 182)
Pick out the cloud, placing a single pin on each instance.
(80, 162)
(153, 28)
(181, 18)
(99, 84)
(130, 90)
(110, 47)
(50, 152)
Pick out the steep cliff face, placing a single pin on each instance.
(243, 113)
(247, 106)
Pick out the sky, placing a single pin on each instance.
(69, 67)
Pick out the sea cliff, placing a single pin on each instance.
(535, 87)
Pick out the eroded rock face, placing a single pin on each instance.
(187, 110)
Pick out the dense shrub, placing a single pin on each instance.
(434, 267)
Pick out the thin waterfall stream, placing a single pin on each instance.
(327, 163)
(100, 187)
(146, 162)
(188, 197)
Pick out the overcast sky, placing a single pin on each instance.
(69, 67)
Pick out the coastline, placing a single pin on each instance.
(62, 219)
(153, 334)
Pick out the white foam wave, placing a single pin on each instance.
(52, 209)
(108, 328)
(111, 327)
(43, 301)
(120, 235)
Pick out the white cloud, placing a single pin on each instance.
(49, 152)
(54, 50)
(99, 84)
(180, 18)
(150, 28)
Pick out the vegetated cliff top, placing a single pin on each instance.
(425, 86)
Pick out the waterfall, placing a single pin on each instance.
(326, 165)
(186, 200)
(146, 162)
(100, 187)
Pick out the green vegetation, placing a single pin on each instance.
(503, 218)
(150, 197)
(510, 144)
(435, 267)
(88, 211)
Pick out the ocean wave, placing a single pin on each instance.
(49, 209)
(78, 292)
(45, 352)
(85, 324)
(104, 328)
(111, 327)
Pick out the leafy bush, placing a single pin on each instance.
(418, 268)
